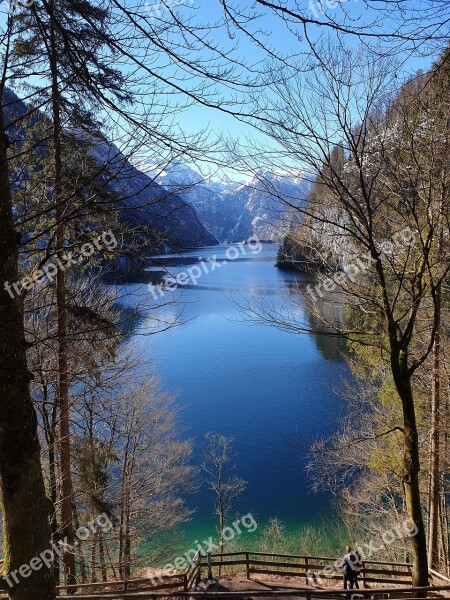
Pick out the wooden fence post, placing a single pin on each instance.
(210, 574)
(306, 570)
(247, 566)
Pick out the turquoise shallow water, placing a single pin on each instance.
(271, 390)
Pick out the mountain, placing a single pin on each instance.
(233, 211)
(169, 222)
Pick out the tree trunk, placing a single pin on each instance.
(221, 529)
(435, 459)
(411, 467)
(443, 557)
(128, 545)
(24, 505)
(63, 389)
(94, 559)
(80, 546)
(124, 500)
(122, 531)
(101, 549)
(445, 528)
(50, 424)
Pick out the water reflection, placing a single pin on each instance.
(243, 378)
(325, 317)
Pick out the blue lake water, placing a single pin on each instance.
(263, 386)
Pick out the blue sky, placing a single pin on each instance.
(273, 34)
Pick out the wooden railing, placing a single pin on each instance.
(158, 583)
(306, 593)
(438, 577)
(194, 572)
(311, 568)
(117, 590)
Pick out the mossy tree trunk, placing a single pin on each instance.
(25, 507)
(435, 453)
(411, 465)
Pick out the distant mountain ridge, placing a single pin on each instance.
(171, 223)
(233, 211)
(177, 207)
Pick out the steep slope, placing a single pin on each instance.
(168, 220)
(270, 199)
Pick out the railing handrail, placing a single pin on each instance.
(438, 575)
(179, 576)
(304, 556)
(304, 591)
(248, 559)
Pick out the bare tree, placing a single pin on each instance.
(221, 479)
(388, 210)
(400, 26)
(153, 466)
(274, 538)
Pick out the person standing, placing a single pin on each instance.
(351, 565)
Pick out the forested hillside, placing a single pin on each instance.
(159, 218)
(378, 212)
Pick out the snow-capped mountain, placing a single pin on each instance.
(232, 212)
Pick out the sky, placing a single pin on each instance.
(273, 35)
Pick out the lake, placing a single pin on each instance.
(272, 390)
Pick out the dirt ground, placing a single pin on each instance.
(239, 582)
